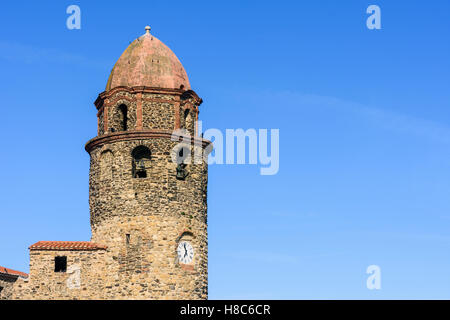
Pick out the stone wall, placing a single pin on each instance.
(114, 191)
(142, 220)
(156, 212)
(157, 111)
(157, 115)
(84, 278)
(6, 286)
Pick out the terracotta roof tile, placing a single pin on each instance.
(4, 270)
(67, 245)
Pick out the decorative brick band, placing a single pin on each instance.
(109, 102)
(141, 89)
(176, 107)
(102, 97)
(139, 111)
(105, 120)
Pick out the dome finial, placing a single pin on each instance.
(147, 29)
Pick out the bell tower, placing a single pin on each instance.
(149, 210)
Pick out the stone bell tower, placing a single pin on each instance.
(149, 210)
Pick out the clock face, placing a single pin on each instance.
(185, 252)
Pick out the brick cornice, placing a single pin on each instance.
(179, 93)
(137, 135)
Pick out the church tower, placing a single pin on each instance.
(147, 198)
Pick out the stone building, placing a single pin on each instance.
(8, 278)
(147, 200)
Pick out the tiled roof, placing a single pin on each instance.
(67, 245)
(4, 270)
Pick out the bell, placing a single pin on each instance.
(181, 172)
(141, 164)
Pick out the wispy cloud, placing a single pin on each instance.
(268, 257)
(388, 119)
(432, 237)
(34, 55)
(264, 257)
(294, 215)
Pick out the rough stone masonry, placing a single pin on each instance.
(141, 207)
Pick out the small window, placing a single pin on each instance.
(60, 264)
(186, 114)
(123, 117)
(128, 238)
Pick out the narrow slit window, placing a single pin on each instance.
(123, 117)
(128, 237)
(60, 264)
(186, 121)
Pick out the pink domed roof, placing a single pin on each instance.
(148, 62)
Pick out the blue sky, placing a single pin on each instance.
(364, 136)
